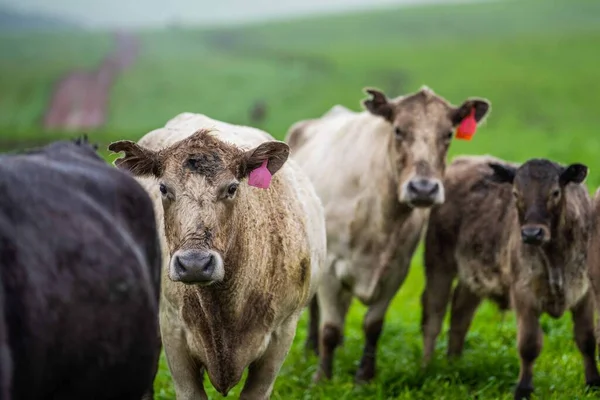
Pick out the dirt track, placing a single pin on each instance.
(80, 99)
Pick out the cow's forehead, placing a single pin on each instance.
(541, 171)
(203, 155)
(423, 103)
(423, 114)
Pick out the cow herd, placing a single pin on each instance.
(210, 240)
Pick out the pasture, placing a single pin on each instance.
(536, 61)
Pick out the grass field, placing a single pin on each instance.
(536, 60)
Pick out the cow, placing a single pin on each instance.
(79, 277)
(516, 234)
(377, 173)
(241, 260)
(594, 255)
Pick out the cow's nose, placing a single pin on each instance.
(194, 266)
(423, 188)
(532, 234)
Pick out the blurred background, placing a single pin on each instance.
(119, 68)
(116, 69)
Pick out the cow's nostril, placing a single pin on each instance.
(179, 265)
(532, 234)
(207, 264)
(434, 188)
(412, 187)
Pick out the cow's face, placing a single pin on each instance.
(421, 127)
(539, 193)
(200, 181)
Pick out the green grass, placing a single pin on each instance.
(536, 60)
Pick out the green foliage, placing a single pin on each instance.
(536, 60)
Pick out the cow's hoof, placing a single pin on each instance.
(593, 383)
(523, 392)
(365, 374)
(320, 376)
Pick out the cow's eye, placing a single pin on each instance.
(556, 193)
(232, 189)
(399, 133)
(449, 135)
(163, 189)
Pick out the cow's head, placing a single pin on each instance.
(200, 180)
(421, 127)
(539, 192)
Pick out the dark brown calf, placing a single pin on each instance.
(594, 254)
(517, 235)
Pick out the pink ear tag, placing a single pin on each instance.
(260, 177)
(467, 126)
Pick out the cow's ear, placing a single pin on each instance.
(379, 105)
(575, 173)
(502, 173)
(274, 154)
(480, 106)
(137, 160)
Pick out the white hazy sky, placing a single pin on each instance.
(111, 13)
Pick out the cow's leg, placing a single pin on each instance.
(334, 302)
(187, 378)
(434, 301)
(373, 322)
(529, 342)
(312, 340)
(372, 327)
(464, 305)
(149, 395)
(263, 372)
(583, 326)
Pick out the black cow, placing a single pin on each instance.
(79, 277)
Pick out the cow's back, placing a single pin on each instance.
(80, 270)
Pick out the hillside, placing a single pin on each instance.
(12, 20)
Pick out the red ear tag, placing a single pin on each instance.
(260, 177)
(467, 127)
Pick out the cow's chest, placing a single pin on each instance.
(223, 349)
(553, 287)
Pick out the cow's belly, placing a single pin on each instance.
(361, 270)
(359, 277)
(361, 274)
(482, 279)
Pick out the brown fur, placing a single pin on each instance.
(477, 235)
(271, 243)
(361, 165)
(594, 254)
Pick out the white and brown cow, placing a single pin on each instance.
(377, 173)
(241, 262)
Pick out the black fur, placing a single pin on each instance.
(79, 278)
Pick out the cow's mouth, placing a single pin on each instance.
(422, 203)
